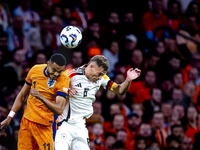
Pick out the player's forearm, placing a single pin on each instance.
(123, 88)
(18, 102)
(53, 107)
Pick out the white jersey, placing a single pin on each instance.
(80, 105)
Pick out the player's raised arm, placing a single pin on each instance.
(17, 105)
(131, 75)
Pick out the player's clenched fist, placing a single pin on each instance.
(5, 123)
(34, 92)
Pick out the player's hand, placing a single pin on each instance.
(72, 92)
(133, 73)
(34, 92)
(5, 122)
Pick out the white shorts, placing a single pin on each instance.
(72, 137)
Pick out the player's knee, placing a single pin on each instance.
(61, 146)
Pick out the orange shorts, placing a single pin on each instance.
(34, 136)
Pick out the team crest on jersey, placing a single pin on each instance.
(51, 82)
(63, 136)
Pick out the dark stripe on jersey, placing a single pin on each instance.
(69, 112)
(28, 83)
(45, 72)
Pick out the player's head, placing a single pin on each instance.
(97, 67)
(56, 65)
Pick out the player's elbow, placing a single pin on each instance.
(60, 111)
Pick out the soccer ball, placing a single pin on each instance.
(70, 36)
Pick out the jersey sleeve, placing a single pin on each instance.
(63, 87)
(28, 79)
(107, 83)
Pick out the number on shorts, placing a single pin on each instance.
(46, 145)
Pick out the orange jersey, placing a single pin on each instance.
(36, 111)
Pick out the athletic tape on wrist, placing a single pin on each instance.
(11, 114)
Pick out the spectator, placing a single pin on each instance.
(110, 139)
(112, 53)
(178, 131)
(140, 143)
(29, 16)
(173, 141)
(138, 87)
(178, 80)
(97, 107)
(166, 108)
(82, 14)
(177, 95)
(118, 145)
(98, 132)
(186, 144)
(16, 36)
(151, 20)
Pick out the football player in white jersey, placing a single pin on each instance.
(85, 81)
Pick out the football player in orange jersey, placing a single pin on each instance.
(48, 88)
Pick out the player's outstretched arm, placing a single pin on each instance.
(57, 107)
(132, 74)
(16, 106)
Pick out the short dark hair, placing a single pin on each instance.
(58, 58)
(176, 126)
(118, 144)
(172, 138)
(107, 134)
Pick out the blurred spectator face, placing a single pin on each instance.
(109, 141)
(114, 48)
(113, 18)
(25, 4)
(173, 143)
(179, 109)
(18, 23)
(41, 59)
(19, 57)
(189, 89)
(130, 45)
(119, 78)
(150, 77)
(145, 130)
(137, 108)
(110, 95)
(175, 63)
(77, 59)
(167, 109)
(191, 113)
(153, 61)
(3, 112)
(83, 5)
(57, 11)
(178, 80)
(158, 120)
(114, 108)
(67, 13)
(178, 132)
(156, 95)
(167, 85)
(157, 6)
(128, 17)
(195, 9)
(195, 62)
(94, 27)
(177, 95)
(57, 24)
(97, 130)
(174, 9)
(137, 57)
(3, 42)
(192, 22)
(18, 89)
(160, 47)
(141, 145)
(118, 122)
(45, 24)
(187, 144)
(92, 145)
(133, 122)
(122, 136)
(193, 74)
(97, 107)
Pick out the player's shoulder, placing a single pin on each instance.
(74, 71)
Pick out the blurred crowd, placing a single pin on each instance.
(160, 111)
